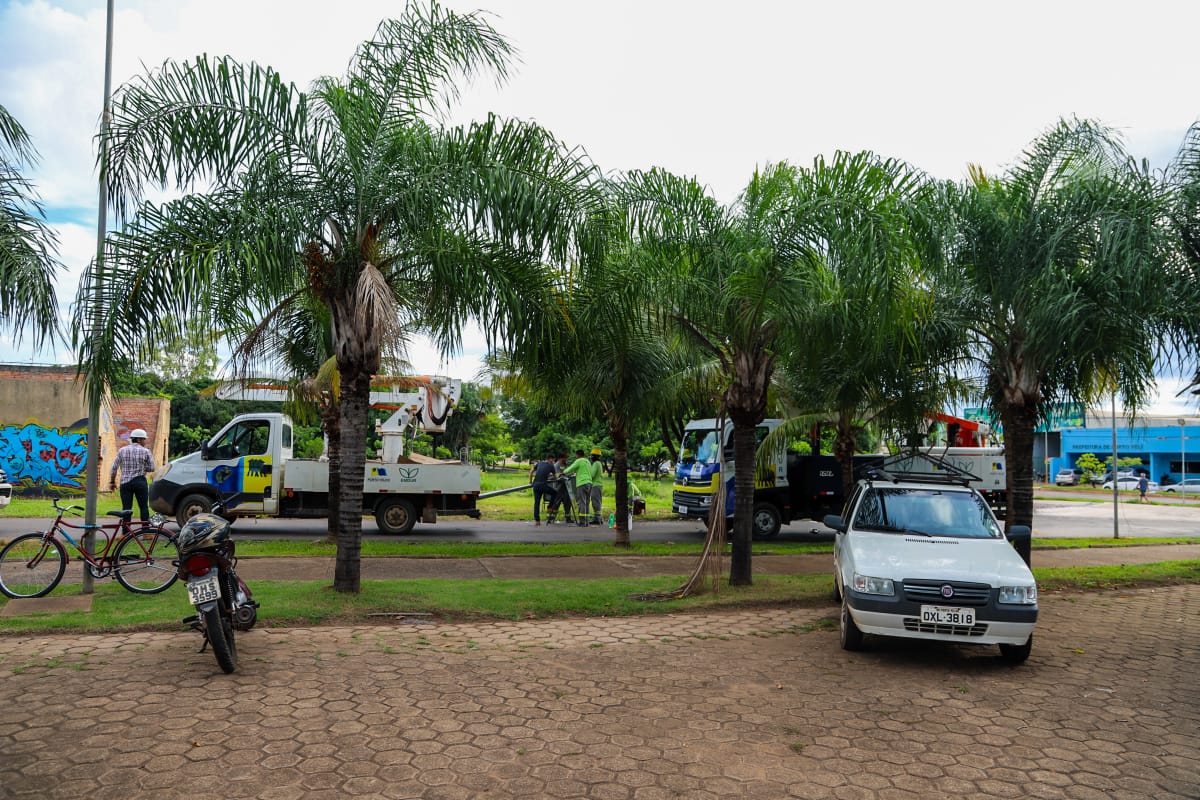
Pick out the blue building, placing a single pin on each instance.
(1169, 447)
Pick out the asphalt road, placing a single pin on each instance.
(1054, 517)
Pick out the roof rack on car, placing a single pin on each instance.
(917, 466)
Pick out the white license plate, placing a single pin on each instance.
(948, 615)
(681, 509)
(203, 590)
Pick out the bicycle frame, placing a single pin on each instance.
(113, 532)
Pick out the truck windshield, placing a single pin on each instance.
(935, 512)
(699, 446)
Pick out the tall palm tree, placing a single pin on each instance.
(869, 353)
(731, 280)
(1053, 267)
(1181, 192)
(28, 247)
(394, 222)
(610, 362)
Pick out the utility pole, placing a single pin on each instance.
(1116, 492)
(95, 392)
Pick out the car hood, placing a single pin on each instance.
(902, 556)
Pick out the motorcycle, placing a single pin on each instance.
(223, 601)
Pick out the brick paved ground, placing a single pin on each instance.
(758, 704)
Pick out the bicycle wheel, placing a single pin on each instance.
(30, 567)
(144, 562)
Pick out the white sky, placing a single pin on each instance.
(702, 88)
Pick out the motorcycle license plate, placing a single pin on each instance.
(203, 590)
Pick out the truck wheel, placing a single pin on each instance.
(395, 516)
(766, 521)
(191, 505)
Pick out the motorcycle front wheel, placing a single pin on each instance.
(220, 635)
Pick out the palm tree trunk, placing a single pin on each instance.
(669, 439)
(843, 451)
(621, 474)
(331, 422)
(356, 398)
(1019, 422)
(743, 503)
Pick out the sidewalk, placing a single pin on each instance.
(617, 566)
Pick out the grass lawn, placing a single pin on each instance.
(292, 603)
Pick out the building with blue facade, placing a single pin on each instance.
(1169, 447)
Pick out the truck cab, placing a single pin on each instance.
(698, 473)
(245, 458)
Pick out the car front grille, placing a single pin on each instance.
(915, 625)
(965, 594)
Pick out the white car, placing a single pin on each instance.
(1186, 486)
(1131, 482)
(925, 559)
(5, 489)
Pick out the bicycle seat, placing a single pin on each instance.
(124, 516)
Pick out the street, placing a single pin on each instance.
(1057, 516)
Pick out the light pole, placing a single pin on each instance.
(1182, 461)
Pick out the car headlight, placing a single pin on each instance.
(868, 585)
(1018, 595)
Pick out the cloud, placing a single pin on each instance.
(705, 88)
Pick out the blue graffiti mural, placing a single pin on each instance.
(46, 457)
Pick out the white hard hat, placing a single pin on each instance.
(137, 433)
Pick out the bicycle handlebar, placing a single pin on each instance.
(63, 510)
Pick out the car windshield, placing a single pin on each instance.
(934, 512)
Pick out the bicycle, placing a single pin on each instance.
(142, 558)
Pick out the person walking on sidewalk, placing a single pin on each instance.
(597, 468)
(134, 461)
(581, 470)
(540, 476)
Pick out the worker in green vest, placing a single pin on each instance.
(581, 468)
(597, 486)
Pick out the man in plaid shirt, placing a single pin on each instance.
(134, 461)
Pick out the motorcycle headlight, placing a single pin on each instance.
(1018, 595)
(868, 585)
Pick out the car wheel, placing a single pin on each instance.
(190, 506)
(1016, 653)
(852, 637)
(766, 521)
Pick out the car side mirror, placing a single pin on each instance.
(835, 521)
(1020, 534)
(205, 452)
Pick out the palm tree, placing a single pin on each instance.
(1053, 269)
(28, 247)
(393, 222)
(610, 361)
(870, 352)
(732, 281)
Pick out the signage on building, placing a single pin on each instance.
(1062, 415)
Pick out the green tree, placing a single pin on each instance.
(28, 247)
(871, 353)
(1053, 271)
(191, 356)
(612, 364)
(730, 281)
(397, 224)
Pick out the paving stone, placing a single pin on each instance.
(746, 704)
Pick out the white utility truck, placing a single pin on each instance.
(251, 457)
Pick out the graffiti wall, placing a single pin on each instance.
(47, 459)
